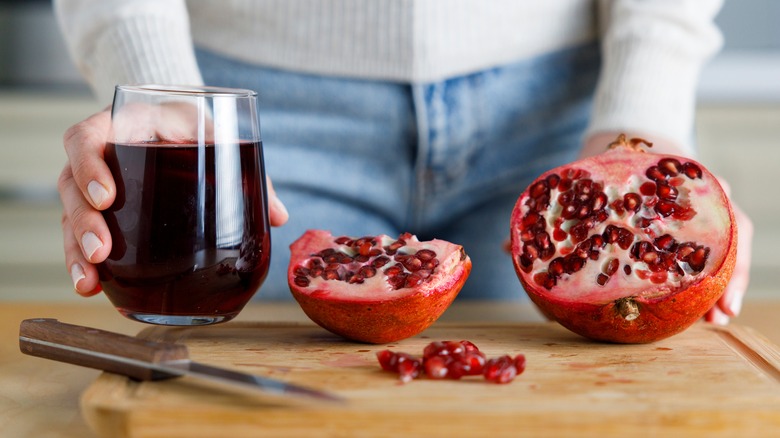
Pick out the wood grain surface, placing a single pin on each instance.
(708, 381)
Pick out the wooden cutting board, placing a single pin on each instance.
(708, 381)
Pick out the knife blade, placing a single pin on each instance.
(146, 360)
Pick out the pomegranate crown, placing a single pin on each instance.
(635, 144)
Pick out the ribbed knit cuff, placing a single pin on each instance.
(142, 50)
(650, 71)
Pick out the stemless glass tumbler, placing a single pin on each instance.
(189, 226)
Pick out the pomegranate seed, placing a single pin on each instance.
(538, 189)
(647, 189)
(698, 259)
(469, 346)
(301, 281)
(413, 280)
(553, 180)
(555, 268)
(366, 271)
(394, 270)
(411, 263)
(344, 240)
(520, 363)
(665, 208)
(599, 202)
(380, 261)
(683, 213)
(565, 184)
(602, 279)
(409, 370)
(436, 367)
(572, 264)
(398, 281)
(387, 360)
(331, 275)
(665, 191)
(654, 173)
(425, 254)
(659, 277)
(443, 348)
(525, 263)
(665, 242)
(500, 370)
(691, 170)
(669, 166)
(632, 202)
(611, 266)
(559, 235)
(545, 280)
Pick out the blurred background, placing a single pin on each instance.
(42, 94)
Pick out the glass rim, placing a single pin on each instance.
(187, 90)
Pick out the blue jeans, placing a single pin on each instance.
(442, 160)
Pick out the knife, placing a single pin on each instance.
(146, 360)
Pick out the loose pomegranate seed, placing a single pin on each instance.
(436, 367)
(500, 370)
(409, 369)
(520, 363)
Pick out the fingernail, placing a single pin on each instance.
(278, 205)
(91, 243)
(97, 192)
(735, 302)
(77, 274)
(719, 318)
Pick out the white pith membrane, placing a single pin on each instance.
(709, 227)
(376, 287)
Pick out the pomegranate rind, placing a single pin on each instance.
(378, 314)
(641, 313)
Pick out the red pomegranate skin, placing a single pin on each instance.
(650, 312)
(377, 316)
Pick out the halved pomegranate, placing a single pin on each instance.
(375, 289)
(626, 246)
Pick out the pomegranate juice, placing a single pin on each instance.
(190, 231)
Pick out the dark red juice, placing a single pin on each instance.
(189, 228)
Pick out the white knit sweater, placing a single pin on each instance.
(653, 49)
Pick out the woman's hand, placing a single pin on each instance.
(730, 303)
(86, 187)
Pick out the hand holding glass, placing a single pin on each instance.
(189, 226)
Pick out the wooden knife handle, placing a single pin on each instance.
(116, 353)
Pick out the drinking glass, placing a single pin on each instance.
(189, 226)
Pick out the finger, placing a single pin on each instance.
(83, 274)
(716, 316)
(82, 223)
(85, 144)
(731, 301)
(277, 212)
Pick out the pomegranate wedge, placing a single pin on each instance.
(627, 246)
(375, 289)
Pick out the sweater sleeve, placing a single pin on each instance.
(129, 42)
(653, 52)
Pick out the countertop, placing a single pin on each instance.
(41, 397)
